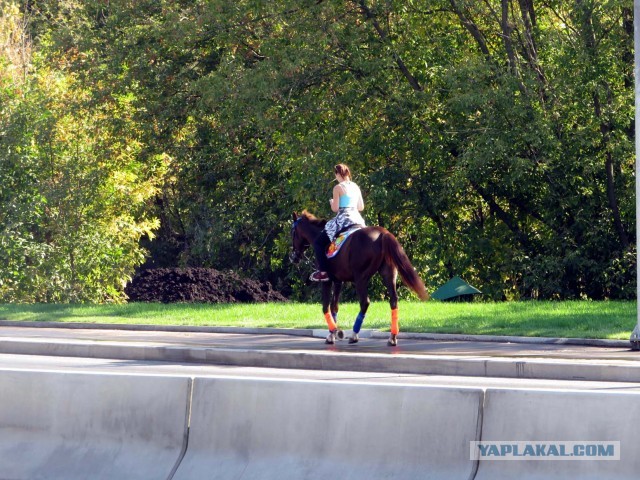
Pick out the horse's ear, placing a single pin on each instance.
(295, 216)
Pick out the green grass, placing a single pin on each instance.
(580, 319)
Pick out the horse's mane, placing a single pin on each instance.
(312, 219)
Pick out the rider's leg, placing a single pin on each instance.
(320, 245)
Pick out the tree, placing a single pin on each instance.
(73, 193)
(494, 138)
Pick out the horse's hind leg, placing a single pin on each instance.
(389, 276)
(362, 287)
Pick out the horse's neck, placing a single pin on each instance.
(312, 232)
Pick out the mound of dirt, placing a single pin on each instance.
(204, 285)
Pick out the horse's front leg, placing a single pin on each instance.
(331, 323)
(335, 299)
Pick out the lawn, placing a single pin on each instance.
(579, 319)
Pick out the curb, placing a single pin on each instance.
(140, 327)
(481, 366)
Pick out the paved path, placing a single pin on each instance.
(239, 338)
(244, 347)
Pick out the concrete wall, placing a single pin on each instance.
(562, 416)
(275, 429)
(90, 427)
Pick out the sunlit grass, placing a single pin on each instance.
(580, 319)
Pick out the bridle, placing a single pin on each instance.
(297, 255)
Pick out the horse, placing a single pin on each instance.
(365, 252)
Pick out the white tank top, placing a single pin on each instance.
(351, 196)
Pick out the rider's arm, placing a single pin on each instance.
(360, 201)
(335, 201)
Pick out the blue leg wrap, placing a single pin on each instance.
(335, 316)
(358, 323)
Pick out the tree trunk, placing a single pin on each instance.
(605, 128)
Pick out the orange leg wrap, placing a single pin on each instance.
(330, 323)
(394, 322)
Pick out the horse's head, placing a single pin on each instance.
(304, 231)
(299, 240)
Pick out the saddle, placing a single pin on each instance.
(335, 246)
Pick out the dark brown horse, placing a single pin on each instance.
(365, 252)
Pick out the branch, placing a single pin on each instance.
(506, 36)
(504, 217)
(383, 36)
(473, 30)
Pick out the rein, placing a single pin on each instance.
(305, 254)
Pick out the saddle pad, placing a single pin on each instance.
(334, 247)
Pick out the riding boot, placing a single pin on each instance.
(320, 245)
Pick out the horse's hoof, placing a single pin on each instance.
(340, 334)
(331, 338)
(354, 338)
(393, 341)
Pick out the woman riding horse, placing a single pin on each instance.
(347, 203)
(366, 252)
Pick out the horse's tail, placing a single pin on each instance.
(394, 253)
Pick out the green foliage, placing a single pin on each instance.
(497, 148)
(72, 192)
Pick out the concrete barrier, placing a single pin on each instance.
(91, 426)
(280, 429)
(545, 416)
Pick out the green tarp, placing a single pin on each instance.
(454, 288)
